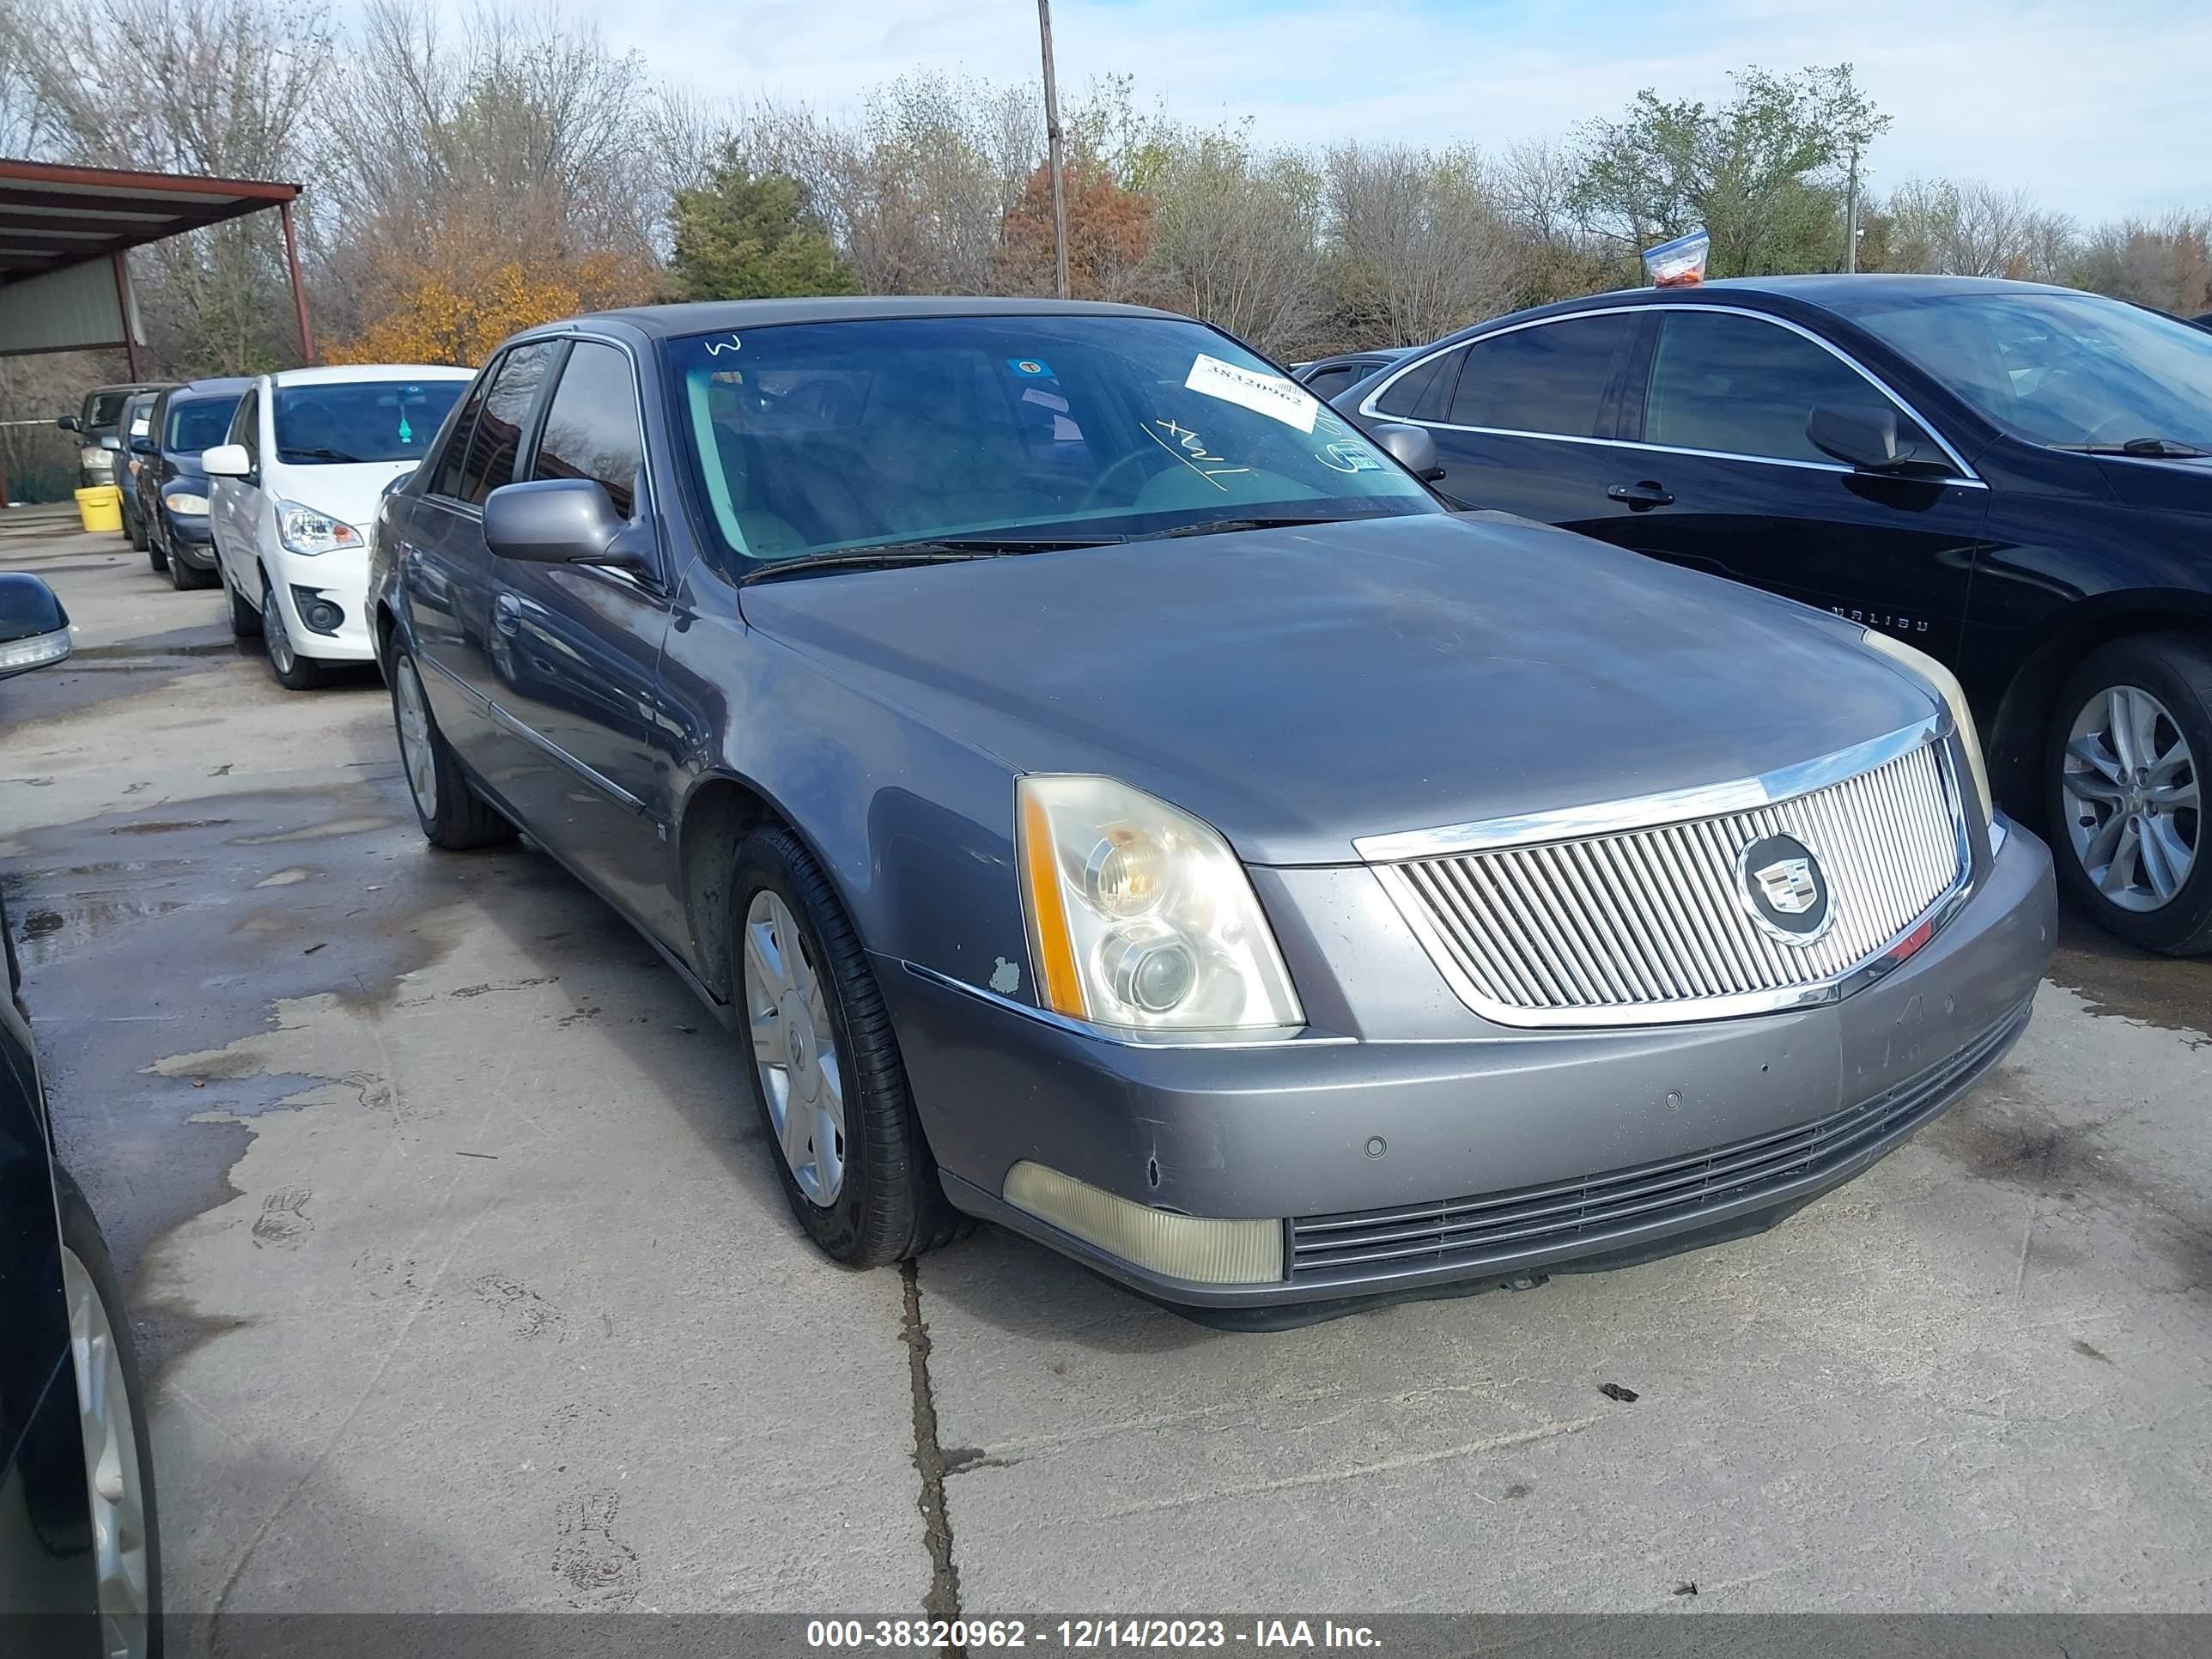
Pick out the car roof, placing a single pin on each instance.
(218, 386)
(354, 373)
(713, 316)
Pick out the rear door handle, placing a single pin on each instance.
(1639, 497)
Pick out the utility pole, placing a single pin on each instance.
(1852, 213)
(1052, 151)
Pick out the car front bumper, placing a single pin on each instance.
(340, 577)
(187, 536)
(1417, 1168)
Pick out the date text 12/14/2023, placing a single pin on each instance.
(1087, 1635)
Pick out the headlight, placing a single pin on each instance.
(183, 501)
(305, 530)
(1946, 685)
(1140, 917)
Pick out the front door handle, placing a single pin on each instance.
(1643, 495)
(507, 614)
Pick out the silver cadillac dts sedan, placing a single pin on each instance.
(1114, 797)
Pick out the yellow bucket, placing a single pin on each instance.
(101, 508)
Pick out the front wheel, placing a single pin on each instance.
(118, 1461)
(294, 671)
(2130, 740)
(826, 1075)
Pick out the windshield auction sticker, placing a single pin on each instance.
(1270, 394)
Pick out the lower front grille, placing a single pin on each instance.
(1503, 1227)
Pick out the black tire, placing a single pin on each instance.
(2177, 669)
(891, 1206)
(134, 526)
(145, 541)
(244, 620)
(293, 671)
(462, 818)
(80, 1234)
(184, 576)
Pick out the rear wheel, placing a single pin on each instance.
(453, 815)
(294, 671)
(826, 1076)
(2130, 740)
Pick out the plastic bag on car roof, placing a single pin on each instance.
(1678, 263)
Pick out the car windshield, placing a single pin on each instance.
(813, 436)
(2070, 370)
(200, 425)
(329, 423)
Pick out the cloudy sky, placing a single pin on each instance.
(2099, 109)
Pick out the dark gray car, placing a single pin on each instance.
(1110, 796)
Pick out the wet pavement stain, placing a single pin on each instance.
(2117, 980)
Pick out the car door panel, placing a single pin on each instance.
(1720, 437)
(574, 652)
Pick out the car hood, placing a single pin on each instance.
(1299, 688)
(351, 492)
(2183, 484)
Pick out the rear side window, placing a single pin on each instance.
(1731, 383)
(454, 462)
(1423, 392)
(1550, 378)
(489, 460)
(1326, 383)
(591, 428)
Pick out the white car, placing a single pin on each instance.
(294, 490)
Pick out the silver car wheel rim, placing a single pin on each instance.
(2132, 799)
(110, 1467)
(415, 739)
(272, 624)
(795, 1049)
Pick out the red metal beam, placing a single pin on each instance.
(152, 184)
(298, 294)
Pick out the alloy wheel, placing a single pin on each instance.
(278, 641)
(111, 1465)
(2133, 799)
(415, 749)
(795, 1048)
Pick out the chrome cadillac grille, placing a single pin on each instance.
(1663, 920)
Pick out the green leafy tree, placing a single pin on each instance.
(747, 236)
(1762, 172)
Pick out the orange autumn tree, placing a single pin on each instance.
(1108, 231)
(456, 304)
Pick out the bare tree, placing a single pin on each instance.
(1417, 244)
(1972, 229)
(1235, 238)
(2166, 262)
(105, 73)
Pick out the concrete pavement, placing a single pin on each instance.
(469, 1284)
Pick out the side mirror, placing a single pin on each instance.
(1413, 447)
(557, 521)
(35, 629)
(1862, 436)
(141, 445)
(68, 423)
(226, 461)
(111, 443)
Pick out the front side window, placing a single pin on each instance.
(197, 424)
(1740, 386)
(245, 427)
(592, 428)
(104, 407)
(1550, 378)
(489, 462)
(810, 436)
(336, 422)
(2075, 371)
(1424, 391)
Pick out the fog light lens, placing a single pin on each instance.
(1150, 968)
(1203, 1250)
(317, 612)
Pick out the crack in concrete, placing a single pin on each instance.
(942, 1599)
